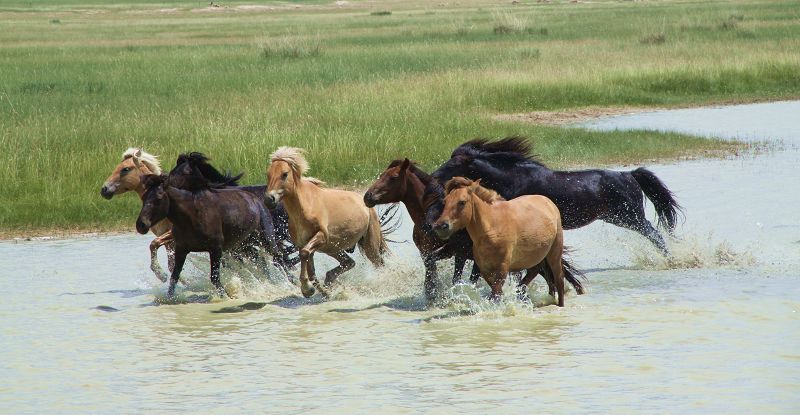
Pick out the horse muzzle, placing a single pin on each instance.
(271, 199)
(108, 191)
(142, 227)
(370, 200)
(442, 230)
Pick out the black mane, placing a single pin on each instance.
(215, 178)
(515, 148)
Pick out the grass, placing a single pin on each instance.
(355, 90)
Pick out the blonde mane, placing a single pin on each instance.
(487, 195)
(292, 155)
(149, 160)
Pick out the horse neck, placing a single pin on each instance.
(413, 198)
(299, 202)
(181, 206)
(481, 221)
(143, 171)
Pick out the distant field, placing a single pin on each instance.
(357, 85)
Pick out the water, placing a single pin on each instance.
(82, 332)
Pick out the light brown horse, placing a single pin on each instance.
(331, 221)
(128, 176)
(524, 233)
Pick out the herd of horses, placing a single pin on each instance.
(492, 202)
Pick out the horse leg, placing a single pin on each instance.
(430, 277)
(475, 274)
(345, 264)
(216, 258)
(307, 265)
(154, 265)
(180, 259)
(496, 280)
(531, 273)
(554, 269)
(458, 267)
(637, 222)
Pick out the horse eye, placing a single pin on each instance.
(393, 177)
(461, 203)
(125, 170)
(284, 175)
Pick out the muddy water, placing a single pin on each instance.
(714, 330)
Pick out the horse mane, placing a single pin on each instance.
(487, 195)
(425, 178)
(150, 180)
(201, 163)
(149, 160)
(314, 181)
(294, 156)
(516, 148)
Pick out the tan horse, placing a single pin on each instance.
(508, 236)
(126, 177)
(331, 221)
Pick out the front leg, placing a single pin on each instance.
(431, 274)
(496, 279)
(216, 259)
(180, 259)
(345, 264)
(307, 265)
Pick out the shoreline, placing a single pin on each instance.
(549, 118)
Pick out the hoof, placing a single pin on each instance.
(308, 293)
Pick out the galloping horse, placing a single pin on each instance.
(520, 234)
(128, 176)
(208, 218)
(582, 196)
(331, 221)
(404, 182)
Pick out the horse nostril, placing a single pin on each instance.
(442, 226)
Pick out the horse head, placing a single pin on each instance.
(391, 185)
(458, 206)
(128, 174)
(286, 169)
(155, 202)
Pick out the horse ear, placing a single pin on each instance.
(135, 159)
(474, 185)
(138, 153)
(404, 165)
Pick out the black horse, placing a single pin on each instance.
(582, 196)
(207, 218)
(280, 220)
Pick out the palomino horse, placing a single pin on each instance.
(331, 221)
(404, 182)
(206, 219)
(126, 177)
(508, 236)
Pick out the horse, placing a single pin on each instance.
(209, 218)
(136, 163)
(331, 221)
(128, 176)
(403, 181)
(582, 196)
(279, 218)
(522, 234)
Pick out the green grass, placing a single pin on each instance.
(356, 90)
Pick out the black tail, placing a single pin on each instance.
(573, 276)
(663, 199)
(390, 220)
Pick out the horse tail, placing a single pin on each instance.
(572, 274)
(663, 200)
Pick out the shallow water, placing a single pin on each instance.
(82, 331)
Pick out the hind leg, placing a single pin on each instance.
(633, 218)
(556, 273)
(345, 264)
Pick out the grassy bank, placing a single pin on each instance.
(356, 86)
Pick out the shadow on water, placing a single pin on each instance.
(295, 301)
(125, 293)
(106, 308)
(240, 308)
(407, 303)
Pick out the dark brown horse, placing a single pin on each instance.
(205, 219)
(404, 182)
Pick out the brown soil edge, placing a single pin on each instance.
(551, 118)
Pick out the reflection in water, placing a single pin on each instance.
(717, 329)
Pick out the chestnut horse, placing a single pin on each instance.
(524, 233)
(126, 177)
(404, 182)
(331, 221)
